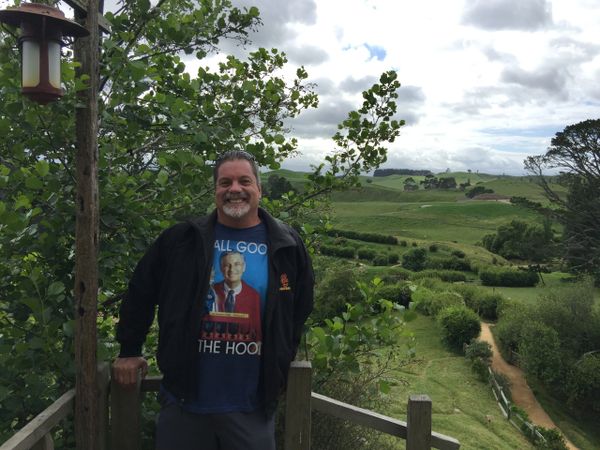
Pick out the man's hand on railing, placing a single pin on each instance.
(125, 370)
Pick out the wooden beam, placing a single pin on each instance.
(418, 436)
(81, 7)
(87, 236)
(41, 424)
(297, 406)
(125, 418)
(358, 415)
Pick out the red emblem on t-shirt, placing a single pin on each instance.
(285, 284)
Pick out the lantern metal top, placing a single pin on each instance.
(35, 12)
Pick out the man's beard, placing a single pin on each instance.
(236, 210)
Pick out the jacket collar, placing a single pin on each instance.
(278, 233)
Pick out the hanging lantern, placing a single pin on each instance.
(42, 30)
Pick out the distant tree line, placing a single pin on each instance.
(410, 172)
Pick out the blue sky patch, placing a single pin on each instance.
(376, 51)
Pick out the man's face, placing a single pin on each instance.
(237, 194)
(233, 267)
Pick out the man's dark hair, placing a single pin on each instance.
(233, 155)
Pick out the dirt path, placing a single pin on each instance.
(521, 394)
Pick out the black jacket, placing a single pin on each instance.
(174, 274)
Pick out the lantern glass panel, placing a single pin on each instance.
(31, 63)
(54, 64)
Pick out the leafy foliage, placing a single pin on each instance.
(459, 325)
(160, 130)
(575, 151)
(495, 276)
(414, 259)
(521, 240)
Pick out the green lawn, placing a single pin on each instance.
(464, 222)
(463, 406)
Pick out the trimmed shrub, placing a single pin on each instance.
(395, 274)
(484, 303)
(448, 263)
(433, 248)
(380, 260)
(398, 293)
(431, 302)
(458, 253)
(449, 276)
(403, 244)
(366, 253)
(459, 325)
(414, 259)
(478, 349)
(334, 250)
(333, 292)
(367, 237)
(492, 276)
(414, 244)
(393, 258)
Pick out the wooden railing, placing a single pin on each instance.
(124, 432)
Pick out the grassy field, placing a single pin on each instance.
(462, 222)
(463, 406)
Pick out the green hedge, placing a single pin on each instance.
(366, 253)
(459, 325)
(495, 276)
(430, 302)
(450, 276)
(448, 263)
(336, 250)
(367, 237)
(398, 293)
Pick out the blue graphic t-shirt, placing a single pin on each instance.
(230, 341)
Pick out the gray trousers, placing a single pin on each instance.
(177, 429)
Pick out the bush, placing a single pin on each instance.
(459, 325)
(380, 260)
(414, 259)
(367, 237)
(449, 276)
(414, 244)
(479, 349)
(403, 244)
(433, 248)
(458, 253)
(480, 367)
(395, 274)
(398, 293)
(337, 288)
(448, 263)
(484, 303)
(393, 258)
(366, 253)
(334, 250)
(540, 352)
(491, 276)
(431, 302)
(583, 384)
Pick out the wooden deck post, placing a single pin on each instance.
(297, 406)
(85, 290)
(103, 413)
(45, 443)
(418, 423)
(125, 418)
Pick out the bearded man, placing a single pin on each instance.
(220, 384)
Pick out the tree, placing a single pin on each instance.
(277, 186)
(160, 131)
(410, 184)
(575, 152)
(430, 182)
(478, 190)
(447, 183)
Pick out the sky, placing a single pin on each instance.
(485, 83)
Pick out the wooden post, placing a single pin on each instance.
(125, 417)
(418, 433)
(103, 385)
(45, 443)
(86, 236)
(297, 406)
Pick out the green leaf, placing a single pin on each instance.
(42, 167)
(33, 182)
(56, 288)
(22, 202)
(162, 177)
(279, 139)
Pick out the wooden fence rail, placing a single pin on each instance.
(125, 416)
